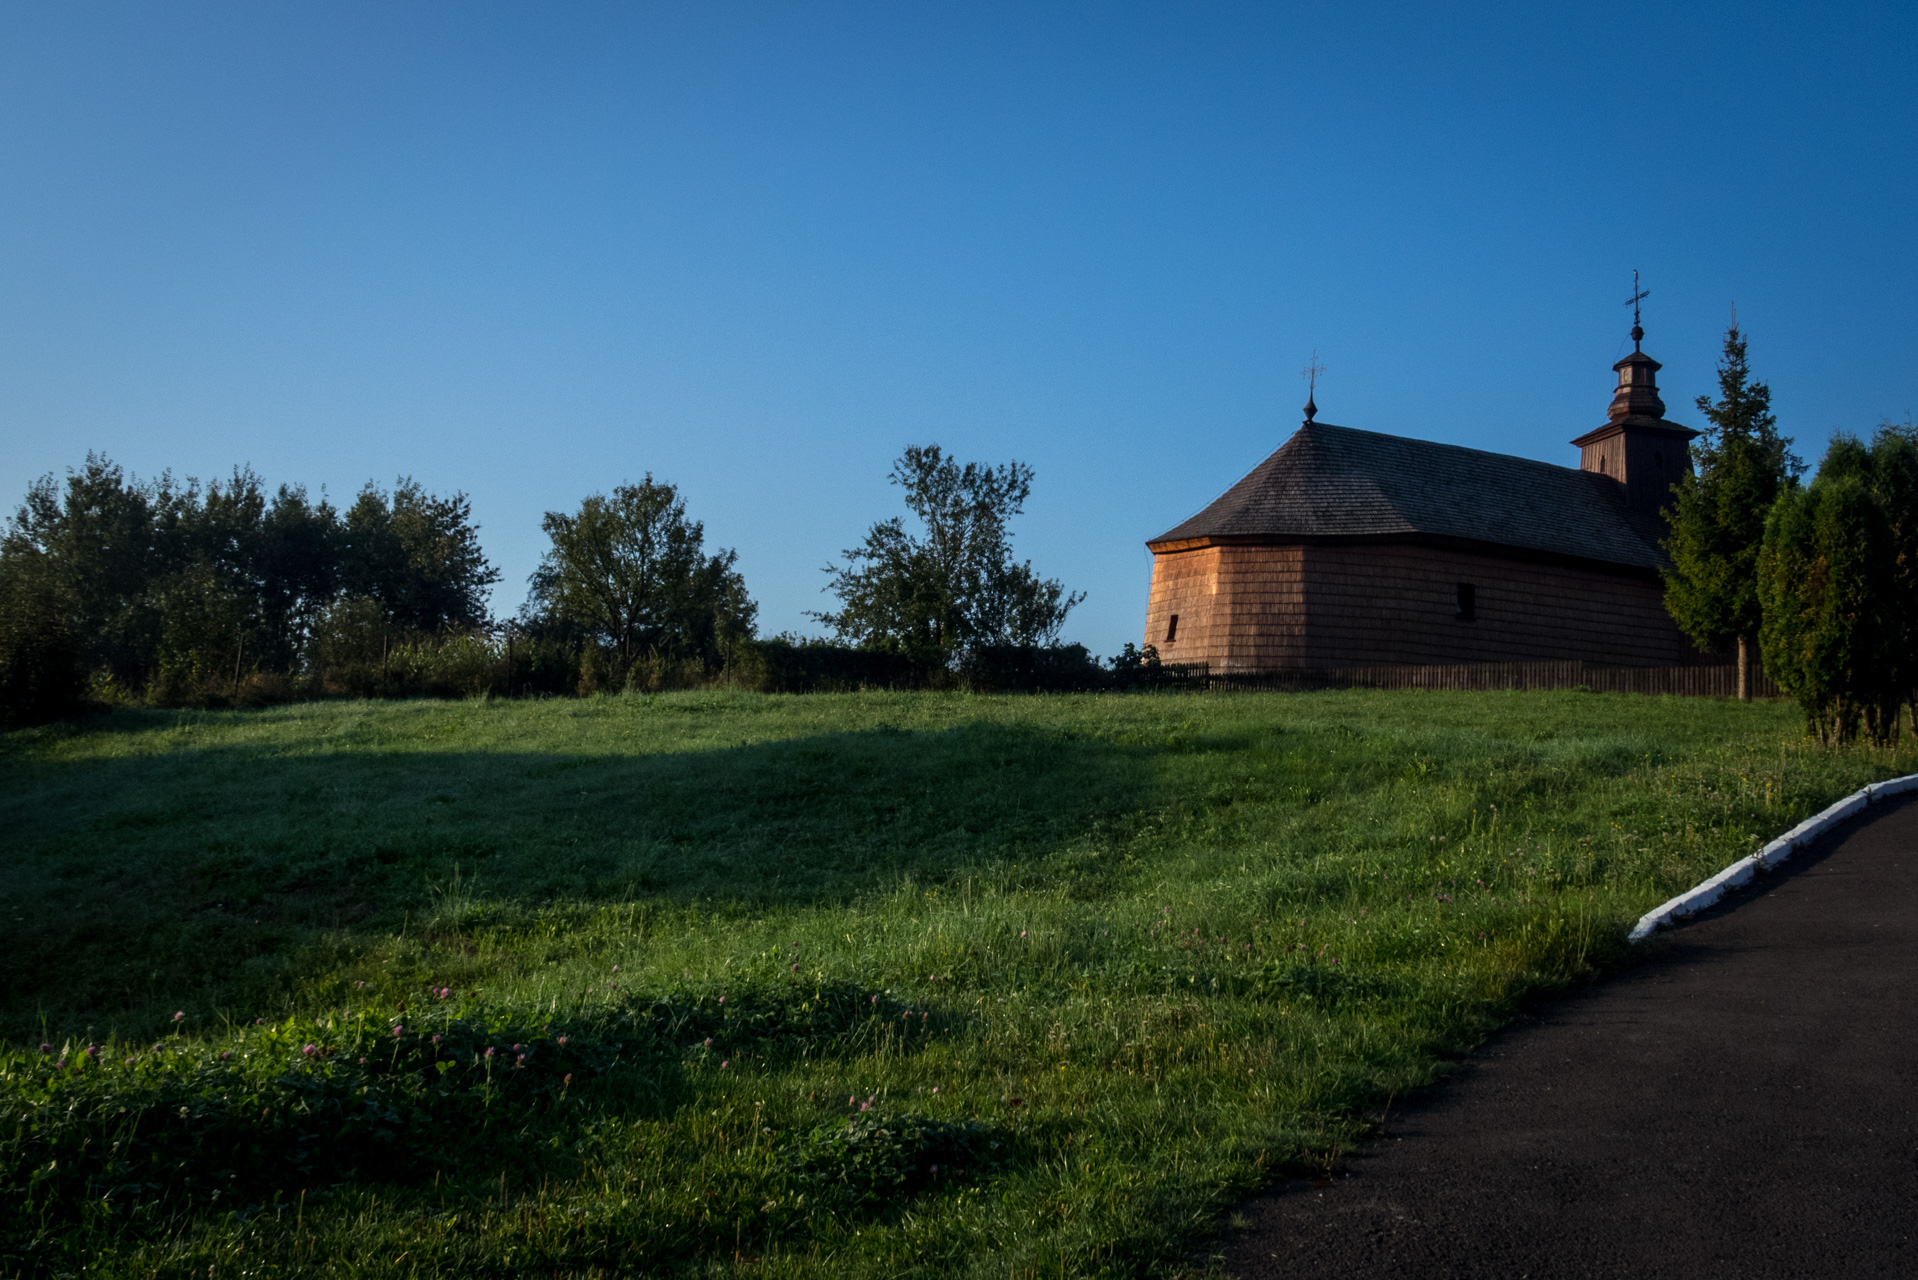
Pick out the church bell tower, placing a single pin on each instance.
(1637, 447)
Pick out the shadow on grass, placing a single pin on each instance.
(192, 876)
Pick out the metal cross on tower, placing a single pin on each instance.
(1638, 295)
(1311, 374)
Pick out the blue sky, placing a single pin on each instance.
(532, 251)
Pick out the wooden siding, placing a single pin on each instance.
(1237, 606)
(1398, 604)
(1265, 608)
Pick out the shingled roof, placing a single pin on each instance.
(1332, 483)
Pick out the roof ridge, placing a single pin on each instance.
(1439, 444)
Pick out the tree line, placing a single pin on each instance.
(1820, 579)
(118, 590)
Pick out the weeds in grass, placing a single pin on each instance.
(874, 1160)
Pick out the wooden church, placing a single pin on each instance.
(1353, 548)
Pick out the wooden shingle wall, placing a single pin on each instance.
(1265, 608)
(1241, 607)
(1399, 604)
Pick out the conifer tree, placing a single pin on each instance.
(1718, 516)
(1895, 481)
(1888, 469)
(1833, 633)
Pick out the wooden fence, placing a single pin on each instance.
(1694, 682)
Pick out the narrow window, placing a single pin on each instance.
(1172, 629)
(1467, 602)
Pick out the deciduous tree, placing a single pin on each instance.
(419, 556)
(42, 673)
(952, 584)
(178, 590)
(629, 571)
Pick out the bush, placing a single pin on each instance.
(457, 666)
(357, 654)
(1053, 668)
(786, 665)
(1133, 667)
(655, 673)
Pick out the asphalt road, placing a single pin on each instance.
(1744, 1104)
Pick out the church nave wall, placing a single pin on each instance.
(1399, 604)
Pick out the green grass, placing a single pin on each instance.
(1111, 962)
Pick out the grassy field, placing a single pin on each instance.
(796, 986)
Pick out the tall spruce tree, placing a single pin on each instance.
(1718, 515)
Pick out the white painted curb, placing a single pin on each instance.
(1704, 894)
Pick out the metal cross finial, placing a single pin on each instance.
(1638, 295)
(1311, 374)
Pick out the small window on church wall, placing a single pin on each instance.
(1467, 602)
(1172, 629)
